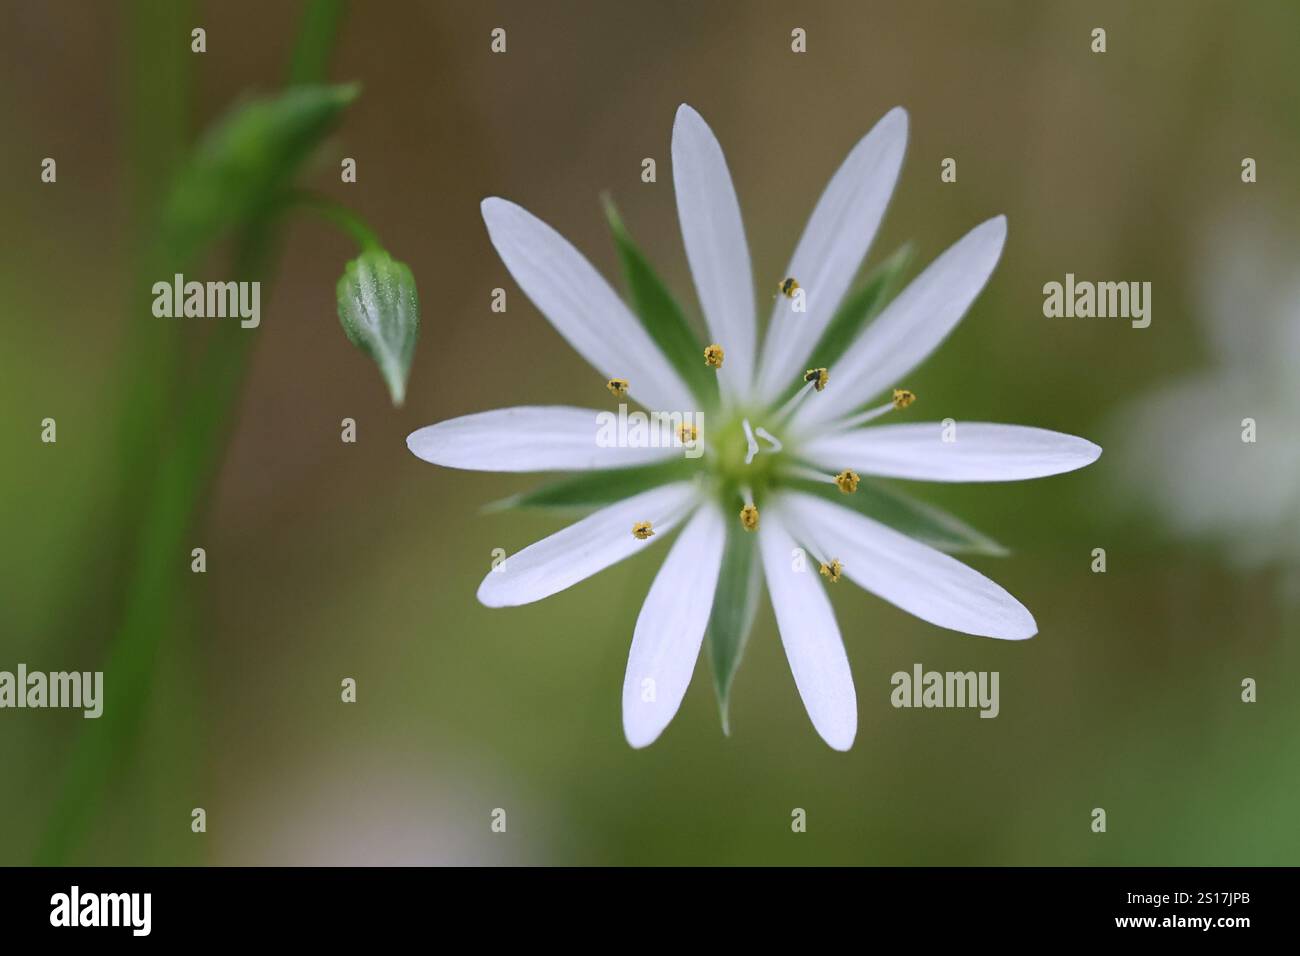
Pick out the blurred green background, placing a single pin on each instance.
(328, 560)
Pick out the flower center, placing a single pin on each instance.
(746, 458)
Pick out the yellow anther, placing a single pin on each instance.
(847, 480)
(788, 287)
(713, 356)
(617, 386)
(831, 572)
(818, 376)
(749, 518)
(642, 530)
(687, 433)
(903, 398)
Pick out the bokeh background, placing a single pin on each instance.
(328, 560)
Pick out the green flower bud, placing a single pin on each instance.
(380, 312)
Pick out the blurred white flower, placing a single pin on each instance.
(1183, 455)
(367, 806)
(758, 463)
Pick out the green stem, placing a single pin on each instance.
(338, 215)
(192, 448)
(320, 25)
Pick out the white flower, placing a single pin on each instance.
(1182, 447)
(757, 464)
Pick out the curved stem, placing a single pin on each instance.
(337, 214)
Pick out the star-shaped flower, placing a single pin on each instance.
(775, 493)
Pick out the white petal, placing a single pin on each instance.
(978, 451)
(810, 635)
(715, 246)
(670, 628)
(580, 550)
(532, 438)
(831, 250)
(912, 325)
(583, 308)
(913, 576)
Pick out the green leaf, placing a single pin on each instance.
(594, 489)
(662, 317)
(734, 606)
(380, 312)
(856, 310)
(242, 167)
(913, 517)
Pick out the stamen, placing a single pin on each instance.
(788, 287)
(809, 474)
(847, 480)
(768, 437)
(794, 401)
(642, 530)
(748, 514)
(902, 398)
(617, 386)
(831, 572)
(749, 438)
(687, 433)
(713, 356)
(815, 378)
(867, 416)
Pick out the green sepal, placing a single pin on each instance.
(660, 314)
(858, 308)
(915, 518)
(734, 607)
(595, 489)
